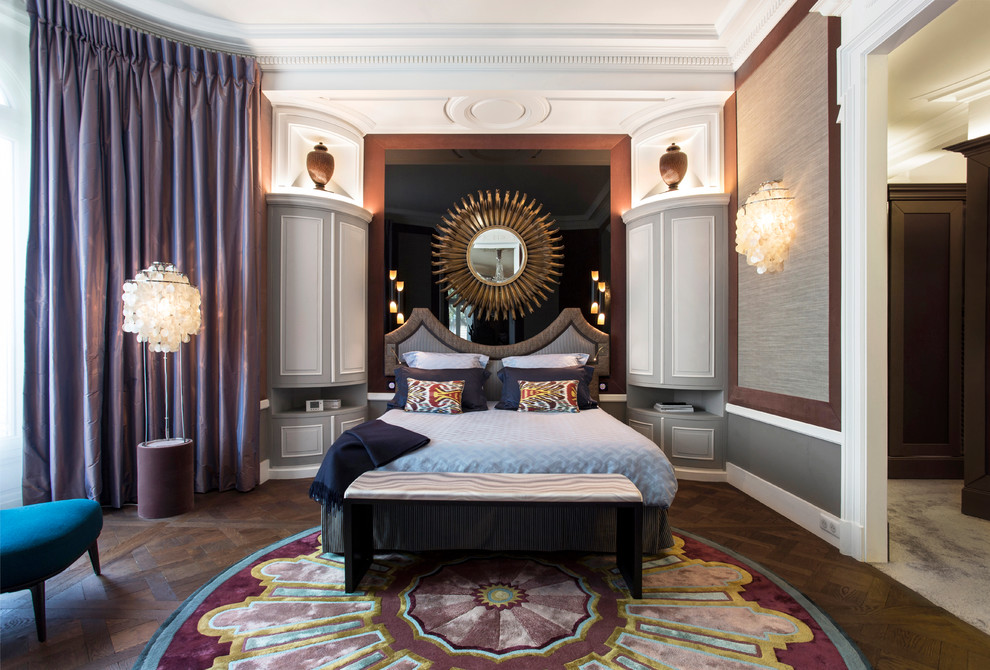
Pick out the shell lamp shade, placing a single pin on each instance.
(765, 227)
(161, 307)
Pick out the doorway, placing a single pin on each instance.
(925, 331)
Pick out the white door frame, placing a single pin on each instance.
(870, 30)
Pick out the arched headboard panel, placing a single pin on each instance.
(569, 333)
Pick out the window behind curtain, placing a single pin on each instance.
(15, 151)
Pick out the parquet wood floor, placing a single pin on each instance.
(150, 567)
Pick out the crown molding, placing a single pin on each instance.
(715, 63)
(745, 23)
(926, 141)
(964, 90)
(831, 7)
(720, 47)
(470, 32)
(424, 46)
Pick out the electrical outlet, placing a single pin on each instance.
(829, 525)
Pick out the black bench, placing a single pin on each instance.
(492, 489)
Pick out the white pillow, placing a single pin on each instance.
(431, 360)
(545, 361)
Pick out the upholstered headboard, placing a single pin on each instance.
(569, 333)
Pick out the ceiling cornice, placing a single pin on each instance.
(606, 47)
(505, 61)
(745, 23)
(924, 140)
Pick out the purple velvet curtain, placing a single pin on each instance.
(144, 150)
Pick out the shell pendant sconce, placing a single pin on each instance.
(765, 227)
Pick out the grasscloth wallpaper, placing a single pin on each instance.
(782, 117)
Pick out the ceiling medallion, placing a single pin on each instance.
(527, 245)
(501, 112)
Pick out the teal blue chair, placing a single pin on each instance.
(39, 541)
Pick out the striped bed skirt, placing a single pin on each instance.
(428, 527)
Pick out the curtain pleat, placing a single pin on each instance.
(143, 150)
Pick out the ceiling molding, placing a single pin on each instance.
(831, 7)
(925, 142)
(538, 32)
(403, 45)
(964, 90)
(420, 62)
(487, 112)
(173, 23)
(745, 23)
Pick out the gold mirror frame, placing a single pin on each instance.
(534, 281)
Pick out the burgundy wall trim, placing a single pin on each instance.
(817, 412)
(375, 146)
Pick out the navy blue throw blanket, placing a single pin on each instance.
(358, 450)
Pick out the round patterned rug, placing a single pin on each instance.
(703, 607)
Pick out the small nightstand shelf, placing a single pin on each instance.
(688, 439)
(298, 413)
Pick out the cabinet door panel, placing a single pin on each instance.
(301, 440)
(351, 330)
(644, 428)
(347, 420)
(643, 318)
(691, 343)
(695, 443)
(301, 298)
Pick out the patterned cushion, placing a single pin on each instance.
(435, 397)
(548, 396)
(511, 377)
(473, 378)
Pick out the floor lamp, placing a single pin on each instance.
(161, 307)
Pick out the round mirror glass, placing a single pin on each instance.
(496, 255)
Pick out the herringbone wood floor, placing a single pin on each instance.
(150, 567)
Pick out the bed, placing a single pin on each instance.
(496, 440)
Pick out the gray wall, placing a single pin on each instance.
(782, 133)
(805, 466)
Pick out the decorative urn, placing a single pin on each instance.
(673, 166)
(319, 163)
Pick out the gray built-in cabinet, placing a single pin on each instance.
(317, 315)
(676, 257)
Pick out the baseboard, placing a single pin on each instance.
(700, 474)
(785, 503)
(263, 473)
(293, 472)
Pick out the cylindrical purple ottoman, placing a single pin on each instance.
(165, 478)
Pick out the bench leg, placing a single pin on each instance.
(629, 547)
(359, 542)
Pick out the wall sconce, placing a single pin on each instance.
(395, 297)
(765, 227)
(599, 297)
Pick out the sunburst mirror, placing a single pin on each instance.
(497, 255)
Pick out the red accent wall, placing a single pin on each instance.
(375, 147)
